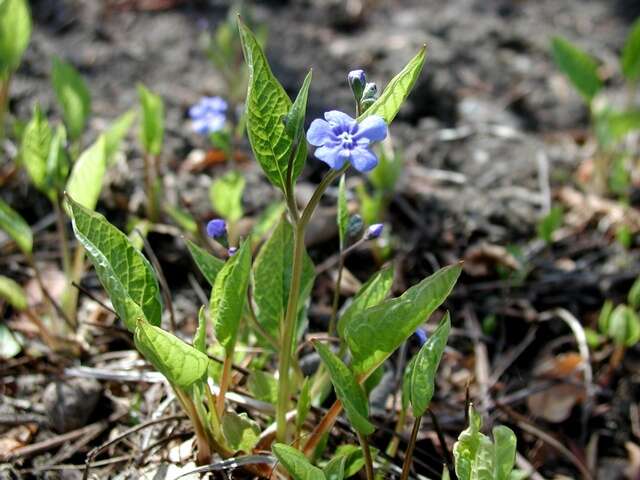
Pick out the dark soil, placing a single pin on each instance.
(490, 124)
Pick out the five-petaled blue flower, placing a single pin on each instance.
(217, 228)
(342, 139)
(208, 115)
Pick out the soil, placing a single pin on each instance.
(490, 136)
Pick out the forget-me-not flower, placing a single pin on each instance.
(341, 139)
(374, 231)
(217, 228)
(208, 115)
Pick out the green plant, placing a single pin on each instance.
(615, 160)
(264, 300)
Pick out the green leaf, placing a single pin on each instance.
(116, 133)
(294, 127)
(228, 296)
(182, 218)
(550, 223)
(34, 151)
(152, 128)
(10, 344)
(477, 458)
(634, 295)
(272, 277)
(296, 463)
(180, 363)
(208, 265)
(85, 182)
(15, 31)
(579, 67)
(73, 96)
(343, 213)
(226, 195)
(605, 315)
(423, 373)
(15, 226)
(612, 126)
(304, 403)
(241, 433)
(395, 93)
(355, 458)
(335, 468)
(266, 107)
(348, 390)
(267, 220)
(200, 337)
(370, 294)
(373, 334)
(406, 383)
(13, 293)
(124, 272)
(263, 386)
(57, 168)
(631, 54)
(624, 326)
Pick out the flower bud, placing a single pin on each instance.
(217, 228)
(354, 226)
(374, 231)
(232, 251)
(369, 96)
(357, 81)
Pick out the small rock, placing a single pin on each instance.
(69, 403)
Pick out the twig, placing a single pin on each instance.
(93, 297)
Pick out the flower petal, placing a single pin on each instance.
(331, 155)
(373, 127)
(363, 159)
(319, 133)
(340, 119)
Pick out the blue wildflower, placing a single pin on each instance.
(374, 231)
(208, 115)
(341, 139)
(217, 228)
(232, 251)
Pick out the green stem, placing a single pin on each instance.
(150, 178)
(368, 462)
(408, 456)
(5, 84)
(336, 296)
(287, 333)
(224, 383)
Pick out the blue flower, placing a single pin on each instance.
(208, 115)
(357, 80)
(374, 231)
(342, 139)
(421, 336)
(232, 251)
(217, 228)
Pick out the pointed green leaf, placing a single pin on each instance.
(373, 334)
(13, 293)
(34, 151)
(272, 277)
(15, 31)
(605, 315)
(631, 53)
(348, 390)
(200, 337)
(116, 133)
(241, 433)
(57, 169)
(152, 127)
(613, 126)
(343, 213)
(208, 265)
(423, 373)
(579, 67)
(634, 295)
(124, 272)
(335, 468)
(16, 227)
(355, 458)
(304, 403)
(294, 127)
(228, 296)
(406, 383)
(624, 326)
(263, 386)
(296, 463)
(266, 107)
(73, 96)
(182, 218)
(226, 195)
(370, 294)
(85, 182)
(180, 363)
(395, 93)
(504, 452)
